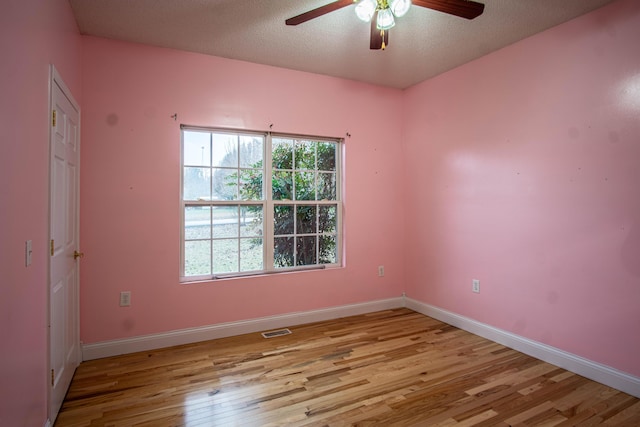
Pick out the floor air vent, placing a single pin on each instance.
(277, 333)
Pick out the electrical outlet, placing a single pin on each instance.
(475, 286)
(381, 271)
(125, 299)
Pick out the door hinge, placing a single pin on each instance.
(52, 247)
(52, 377)
(53, 118)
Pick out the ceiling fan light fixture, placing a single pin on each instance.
(365, 9)
(399, 7)
(385, 19)
(381, 14)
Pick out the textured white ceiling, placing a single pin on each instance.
(423, 43)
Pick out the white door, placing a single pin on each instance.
(64, 339)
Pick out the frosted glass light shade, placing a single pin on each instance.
(385, 19)
(365, 9)
(400, 7)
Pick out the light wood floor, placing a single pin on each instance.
(390, 368)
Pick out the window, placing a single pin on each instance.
(258, 202)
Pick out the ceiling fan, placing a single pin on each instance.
(382, 13)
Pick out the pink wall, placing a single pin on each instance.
(519, 169)
(130, 227)
(523, 172)
(33, 34)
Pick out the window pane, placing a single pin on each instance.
(282, 185)
(306, 250)
(251, 254)
(251, 152)
(197, 222)
(228, 169)
(282, 219)
(250, 184)
(225, 258)
(251, 221)
(305, 155)
(225, 222)
(197, 148)
(196, 184)
(327, 156)
(327, 220)
(305, 186)
(282, 153)
(197, 258)
(305, 219)
(283, 252)
(328, 253)
(326, 186)
(225, 150)
(225, 184)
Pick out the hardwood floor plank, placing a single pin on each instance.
(628, 416)
(389, 368)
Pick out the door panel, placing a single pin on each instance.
(64, 340)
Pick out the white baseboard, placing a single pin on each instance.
(222, 330)
(581, 366)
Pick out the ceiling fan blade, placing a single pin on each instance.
(462, 8)
(376, 42)
(307, 16)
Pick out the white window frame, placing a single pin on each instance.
(267, 204)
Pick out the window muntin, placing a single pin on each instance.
(305, 234)
(235, 222)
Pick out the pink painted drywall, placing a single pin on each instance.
(523, 172)
(130, 228)
(33, 34)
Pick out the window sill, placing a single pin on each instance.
(215, 278)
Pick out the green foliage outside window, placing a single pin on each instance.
(304, 234)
